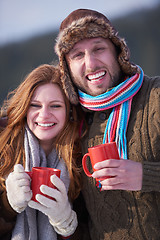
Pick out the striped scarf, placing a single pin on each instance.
(120, 99)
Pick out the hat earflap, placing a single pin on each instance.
(67, 83)
(126, 65)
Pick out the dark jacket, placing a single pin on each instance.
(7, 216)
(129, 215)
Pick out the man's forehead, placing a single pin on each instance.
(87, 42)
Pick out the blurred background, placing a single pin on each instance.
(28, 30)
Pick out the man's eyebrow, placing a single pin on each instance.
(73, 50)
(76, 49)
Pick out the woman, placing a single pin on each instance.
(42, 130)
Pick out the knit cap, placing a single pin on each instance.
(81, 24)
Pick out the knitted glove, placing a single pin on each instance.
(18, 188)
(59, 212)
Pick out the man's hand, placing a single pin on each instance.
(125, 174)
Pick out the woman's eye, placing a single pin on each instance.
(34, 105)
(55, 106)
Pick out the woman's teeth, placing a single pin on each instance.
(45, 124)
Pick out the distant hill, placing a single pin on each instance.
(141, 31)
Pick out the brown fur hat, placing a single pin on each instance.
(81, 24)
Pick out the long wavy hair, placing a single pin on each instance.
(12, 136)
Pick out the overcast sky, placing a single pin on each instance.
(20, 19)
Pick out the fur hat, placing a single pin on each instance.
(81, 24)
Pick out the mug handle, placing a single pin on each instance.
(85, 165)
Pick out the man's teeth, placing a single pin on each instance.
(97, 75)
(45, 124)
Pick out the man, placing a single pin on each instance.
(121, 104)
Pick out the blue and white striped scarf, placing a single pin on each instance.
(120, 99)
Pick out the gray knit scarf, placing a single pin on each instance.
(32, 224)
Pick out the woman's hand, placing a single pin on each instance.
(58, 210)
(18, 188)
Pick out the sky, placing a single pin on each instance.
(22, 19)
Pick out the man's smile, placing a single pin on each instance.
(96, 76)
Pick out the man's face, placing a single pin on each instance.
(93, 65)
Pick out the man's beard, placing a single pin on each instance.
(116, 79)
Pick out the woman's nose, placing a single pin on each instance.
(44, 112)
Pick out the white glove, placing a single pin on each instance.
(18, 188)
(59, 212)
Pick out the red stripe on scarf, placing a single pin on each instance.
(123, 89)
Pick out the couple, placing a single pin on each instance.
(119, 104)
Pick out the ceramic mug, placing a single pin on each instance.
(41, 176)
(99, 153)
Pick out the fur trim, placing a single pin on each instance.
(67, 84)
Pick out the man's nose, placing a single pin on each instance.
(89, 60)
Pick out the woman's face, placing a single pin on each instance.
(47, 114)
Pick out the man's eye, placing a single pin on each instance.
(77, 55)
(99, 49)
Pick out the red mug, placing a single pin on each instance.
(100, 153)
(41, 176)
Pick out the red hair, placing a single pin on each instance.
(12, 137)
